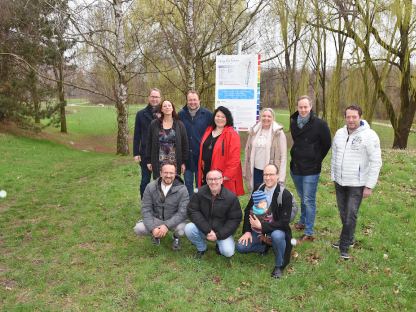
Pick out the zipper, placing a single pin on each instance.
(343, 155)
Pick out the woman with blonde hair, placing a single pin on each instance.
(266, 144)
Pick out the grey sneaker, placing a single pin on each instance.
(336, 245)
(344, 255)
(176, 244)
(277, 272)
(155, 241)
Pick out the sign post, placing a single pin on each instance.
(237, 87)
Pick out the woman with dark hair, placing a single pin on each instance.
(167, 141)
(220, 150)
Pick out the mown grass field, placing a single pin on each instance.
(66, 240)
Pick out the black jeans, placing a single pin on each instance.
(348, 199)
(146, 175)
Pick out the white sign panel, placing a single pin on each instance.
(237, 87)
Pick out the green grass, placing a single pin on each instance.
(66, 243)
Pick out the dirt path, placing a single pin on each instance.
(99, 144)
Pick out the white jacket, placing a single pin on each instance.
(356, 157)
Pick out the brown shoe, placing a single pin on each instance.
(306, 238)
(299, 226)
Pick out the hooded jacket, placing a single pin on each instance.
(225, 157)
(356, 157)
(310, 145)
(158, 209)
(278, 152)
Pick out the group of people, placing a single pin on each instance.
(205, 149)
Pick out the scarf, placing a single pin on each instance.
(301, 121)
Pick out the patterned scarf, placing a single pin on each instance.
(303, 120)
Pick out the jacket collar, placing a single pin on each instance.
(178, 181)
(206, 192)
(275, 127)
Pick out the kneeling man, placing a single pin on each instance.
(164, 206)
(215, 213)
(257, 234)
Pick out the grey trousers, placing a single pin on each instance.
(349, 200)
(140, 229)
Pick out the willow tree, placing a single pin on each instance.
(394, 34)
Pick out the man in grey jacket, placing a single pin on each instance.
(164, 207)
(355, 166)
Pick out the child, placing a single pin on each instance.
(259, 208)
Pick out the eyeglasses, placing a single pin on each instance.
(214, 179)
(269, 175)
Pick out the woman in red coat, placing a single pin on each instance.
(220, 149)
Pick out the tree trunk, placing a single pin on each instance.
(121, 84)
(190, 34)
(35, 98)
(59, 77)
(122, 121)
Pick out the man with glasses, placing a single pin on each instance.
(258, 234)
(141, 131)
(215, 214)
(164, 207)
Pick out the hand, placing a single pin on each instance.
(137, 159)
(156, 232)
(163, 229)
(183, 168)
(367, 192)
(149, 166)
(254, 222)
(211, 236)
(246, 238)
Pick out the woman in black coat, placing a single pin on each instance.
(167, 141)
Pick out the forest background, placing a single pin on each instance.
(113, 52)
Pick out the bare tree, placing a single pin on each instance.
(102, 27)
(187, 34)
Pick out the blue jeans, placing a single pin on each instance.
(145, 180)
(278, 244)
(349, 200)
(306, 186)
(189, 181)
(197, 238)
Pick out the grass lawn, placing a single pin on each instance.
(66, 242)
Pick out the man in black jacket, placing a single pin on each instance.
(256, 233)
(215, 214)
(141, 131)
(311, 143)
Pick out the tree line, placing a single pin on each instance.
(340, 52)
